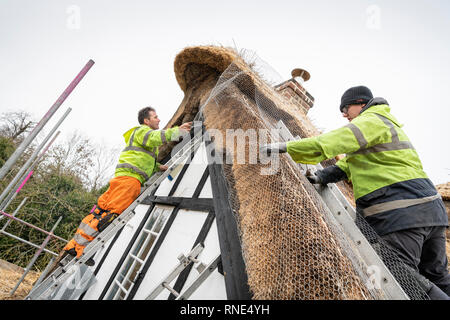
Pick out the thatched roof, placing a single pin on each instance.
(202, 66)
(217, 58)
(282, 228)
(9, 275)
(444, 190)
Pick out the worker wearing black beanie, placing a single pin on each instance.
(356, 95)
(392, 192)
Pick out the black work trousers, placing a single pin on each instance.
(423, 249)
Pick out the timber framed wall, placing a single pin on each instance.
(199, 189)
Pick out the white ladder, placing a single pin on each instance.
(48, 288)
(343, 212)
(204, 272)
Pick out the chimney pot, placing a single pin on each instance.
(300, 73)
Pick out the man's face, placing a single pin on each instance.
(152, 120)
(351, 111)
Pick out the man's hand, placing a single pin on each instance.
(311, 176)
(184, 130)
(186, 126)
(163, 167)
(268, 149)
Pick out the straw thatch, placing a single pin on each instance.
(290, 250)
(9, 276)
(444, 190)
(197, 70)
(216, 58)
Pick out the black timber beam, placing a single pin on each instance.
(197, 204)
(235, 273)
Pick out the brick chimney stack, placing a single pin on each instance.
(294, 91)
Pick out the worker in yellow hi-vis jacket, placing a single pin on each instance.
(391, 190)
(137, 163)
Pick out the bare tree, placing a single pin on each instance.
(73, 156)
(93, 163)
(14, 124)
(104, 161)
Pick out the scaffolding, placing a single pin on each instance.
(25, 172)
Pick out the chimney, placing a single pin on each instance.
(294, 91)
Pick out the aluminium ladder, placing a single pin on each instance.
(48, 289)
(338, 208)
(184, 261)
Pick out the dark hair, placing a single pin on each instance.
(143, 114)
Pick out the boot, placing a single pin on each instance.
(58, 261)
(90, 262)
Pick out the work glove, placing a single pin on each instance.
(313, 178)
(331, 174)
(268, 149)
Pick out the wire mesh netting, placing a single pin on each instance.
(412, 283)
(292, 247)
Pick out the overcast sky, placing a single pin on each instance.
(399, 49)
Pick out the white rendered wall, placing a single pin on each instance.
(180, 239)
(213, 288)
(193, 174)
(165, 186)
(115, 254)
(207, 190)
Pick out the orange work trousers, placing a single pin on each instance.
(122, 191)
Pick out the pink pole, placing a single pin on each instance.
(93, 208)
(21, 148)
(24, 181)
(69, 89)
(31, 225)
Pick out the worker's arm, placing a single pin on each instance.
(328, 145)
(344, 140)
(155, 138)
(343, 165)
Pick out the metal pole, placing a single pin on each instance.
(33, 156)
(14, 213)
(31, 225)
(27, 242)
(5, 203)
(13, 158)
(44, 273)
(36, 255)
(29, 174)
(12, 196)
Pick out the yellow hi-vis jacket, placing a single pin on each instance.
(378, 152)
(392, 191)
(138, 159)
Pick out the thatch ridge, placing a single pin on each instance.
(218, 58)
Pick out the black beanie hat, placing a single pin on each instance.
(355, 95)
